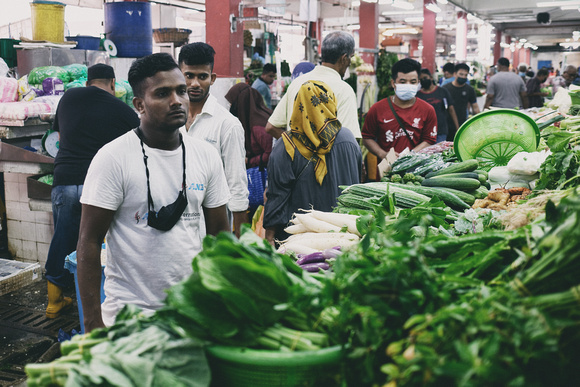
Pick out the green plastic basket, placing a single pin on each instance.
(244, 367)
(495, 136)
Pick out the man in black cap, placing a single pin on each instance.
(86, 118)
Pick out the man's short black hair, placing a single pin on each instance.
(425, 71)
(269, 68)
(195, 54)
(503, 62)
(405, 66)
(461, 66)
(335, 45)
(448, 67)
(147, 67)
(543, 71)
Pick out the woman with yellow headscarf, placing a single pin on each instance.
(312, 160)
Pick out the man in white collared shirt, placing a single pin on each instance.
(209, 121)
(336, 51)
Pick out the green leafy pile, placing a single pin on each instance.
(136, 351)
(560, 170)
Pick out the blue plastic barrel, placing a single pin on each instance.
(128, 26)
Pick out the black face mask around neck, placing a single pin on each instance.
(169, 215)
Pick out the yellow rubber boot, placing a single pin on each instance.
(56, 301)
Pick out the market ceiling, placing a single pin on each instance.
(516, 18)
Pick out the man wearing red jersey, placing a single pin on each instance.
(381, 130)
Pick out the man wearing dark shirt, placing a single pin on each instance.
(441, 101)
(463, 97)
(86, 118)
(533, 88)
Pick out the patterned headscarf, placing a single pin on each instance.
(313, 125)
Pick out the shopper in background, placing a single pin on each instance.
(463, 95)
(210, 121)
(262, 84)
(307, 167)
(382, 131)
(441, 101)
(568, 77)
(86, 118)
(302, 68)
(336, 50)
(248, 106)
(130, 193)
(506, 89)
(448, 76)
(534, 86)
(522, 70)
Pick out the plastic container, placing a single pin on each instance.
(47, 21)
(495, 136)
(8, 52)
(85, 42)
(70, 264)
(244, 367)
(128, 26)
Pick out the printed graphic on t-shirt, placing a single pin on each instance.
(416, 122)
(391, 137)
(434, 132)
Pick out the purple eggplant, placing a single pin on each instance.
(311, 258)
(331, 253)
(315, 267)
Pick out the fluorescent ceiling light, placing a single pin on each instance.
(391, 32)
(355, 4)
(370, 1)
(433, 7)
(547, 4)
(570, 7)
(353, 27)
(402, 4)
(420, 19)
(443, 2)
(440, 50)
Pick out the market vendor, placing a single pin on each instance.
(130, 195)
(401, 121)
(86, 118)
(307, 167)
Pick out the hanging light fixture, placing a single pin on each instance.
(433, 7)
(402, 4)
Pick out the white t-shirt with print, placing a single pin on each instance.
(142, 261)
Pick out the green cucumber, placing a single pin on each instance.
(466, 197)
(482, 172)
(463, 166)
(482, 178)
(447, 197)
(460, 183)
(468, 175)
(480, 193)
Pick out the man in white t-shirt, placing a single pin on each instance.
(130, 195)
(336, 50)
(208, 120)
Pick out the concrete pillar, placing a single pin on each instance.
(368, 16)
(529, 56)
(516, 58)
(429, 38)
(507, 52)
(461, 37)
(497, 46)
(227, 39)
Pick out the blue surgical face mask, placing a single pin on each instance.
(406, 91)
(522, 74)
(461, 81)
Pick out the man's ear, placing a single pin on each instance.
(139, 105)
(213, 78)
(113, 85)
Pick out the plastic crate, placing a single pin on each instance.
(70, 264)
(244, 367)
(177, 36)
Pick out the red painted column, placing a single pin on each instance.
(507, 52)
(461, 37)
(429, 38)
(516, 58)
(497, 46)
(228, 45)
(529, 56)
(368, 17)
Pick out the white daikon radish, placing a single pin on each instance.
(295, 247)
(315, 225)
(338, 236)
(339, 220)
(296, 229)
(320, 244)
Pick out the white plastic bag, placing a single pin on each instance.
(527, 163)
(500, 177)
